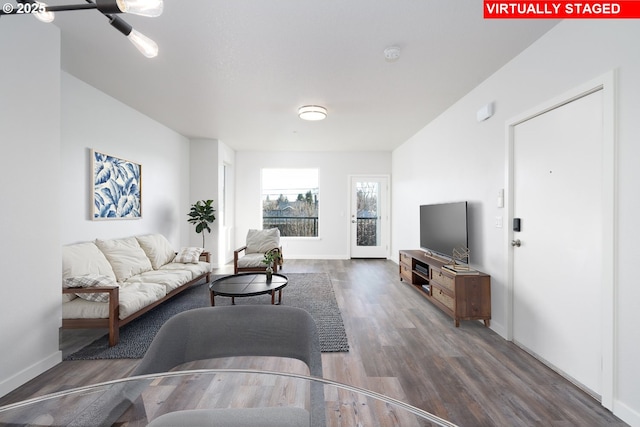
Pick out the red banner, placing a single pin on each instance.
(623, 9)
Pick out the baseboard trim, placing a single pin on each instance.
(625, 413)
(29, 373)
(321, 257)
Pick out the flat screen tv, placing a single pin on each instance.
(443, 227)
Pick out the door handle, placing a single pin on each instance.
(516, 243)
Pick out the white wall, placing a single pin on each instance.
(92, 119)
(30, 309)
(334, 171)
(208, 157)
(457, 158)
(203, 172)
(50, 121)
(226, 224)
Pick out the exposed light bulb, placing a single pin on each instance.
(144, 44)
(44, 16)
(150, 8)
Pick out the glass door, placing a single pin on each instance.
(369, 218)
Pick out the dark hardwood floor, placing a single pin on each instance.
(401, 346)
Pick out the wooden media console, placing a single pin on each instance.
(462, 295)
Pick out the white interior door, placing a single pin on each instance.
(557, 269)
(369, 218)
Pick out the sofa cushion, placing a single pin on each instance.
(188, 255)
(132, 298)
(157, 248)
(125, 256)
(196, 269)
(84, 258)
(81, 259)
(261, 241)
(171, 279)
(251, 260)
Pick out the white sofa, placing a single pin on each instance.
(108, 283)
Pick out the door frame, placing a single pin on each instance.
(607, 84)
(385, 226)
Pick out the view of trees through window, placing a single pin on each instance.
(368, 232)
(290, 201)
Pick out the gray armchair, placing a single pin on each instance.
(214, 332)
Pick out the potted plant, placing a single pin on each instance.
(270, 258)
(201, 215)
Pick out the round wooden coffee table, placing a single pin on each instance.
(247, 285)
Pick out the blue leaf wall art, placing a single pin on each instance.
(117, 187)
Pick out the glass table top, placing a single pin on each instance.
(217, 397)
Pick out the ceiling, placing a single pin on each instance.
(237, 70)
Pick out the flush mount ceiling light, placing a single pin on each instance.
(45, 13)
(312, 112)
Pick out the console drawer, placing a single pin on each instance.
(405, 259)
(405, 272)
(442, 279)
(444, 298)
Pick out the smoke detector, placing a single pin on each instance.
(392, 53)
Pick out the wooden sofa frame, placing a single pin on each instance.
(113, 322)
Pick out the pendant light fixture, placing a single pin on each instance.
(152, 9)
(149, 8)
(144, 44)
(44, 16)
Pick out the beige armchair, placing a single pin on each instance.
(258, 243)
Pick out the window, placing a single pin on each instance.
(290, 201)
(368, 226)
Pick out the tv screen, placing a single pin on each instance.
(443, 227)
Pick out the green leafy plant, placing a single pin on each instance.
(201, 215)
(270, 258)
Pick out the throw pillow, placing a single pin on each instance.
(91, 281)
(188, 255)
(158, 249)
(95, 297)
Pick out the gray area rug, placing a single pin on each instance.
(312, 292)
